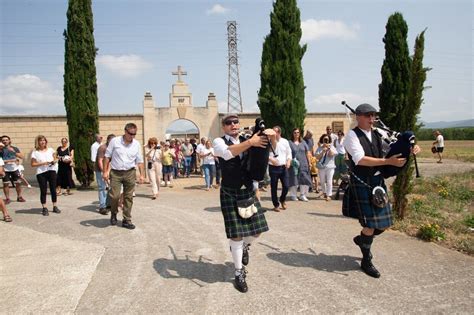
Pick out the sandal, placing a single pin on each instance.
(7, 218)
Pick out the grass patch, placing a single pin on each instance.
(462, 150)
(441, 210)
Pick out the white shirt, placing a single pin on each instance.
(221, 149)
(340, 146)
(354, 148)
(1, 162)
(333, 137)
(94, 147)
(124, 156)
(440, 140)
(199, 148)
(283, 151)
(208, 159)
(329, 160)
(44, 156)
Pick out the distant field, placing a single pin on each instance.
(462, 150)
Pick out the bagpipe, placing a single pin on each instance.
(399, 142)
(257, 159)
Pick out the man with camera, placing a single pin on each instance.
(236, 189)
(122, 157)
(366, 155)
(278, 169)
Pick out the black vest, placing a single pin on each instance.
(234, 173)
(373, 149)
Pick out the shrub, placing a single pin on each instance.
(430, 232)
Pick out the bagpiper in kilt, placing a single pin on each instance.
(236, 185)
(365, 150)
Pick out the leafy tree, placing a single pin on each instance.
(281, 94)
(393, 91)
(80, 86)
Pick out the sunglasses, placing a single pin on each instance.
(230, 122)
(132, 134)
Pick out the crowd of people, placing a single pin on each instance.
(299, 164)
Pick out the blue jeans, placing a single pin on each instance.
(102, 189)
(209, 173)
(187, 165)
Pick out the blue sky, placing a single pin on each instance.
(141, 42)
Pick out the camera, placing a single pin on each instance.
(325, 140)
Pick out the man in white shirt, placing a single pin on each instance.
(366, 156)
(439, 144)
(278, 169)
(331, 134)
(3, 208)
(199, 148)
(122, 156)
(236, 185)
(95, 146)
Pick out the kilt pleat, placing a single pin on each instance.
(235, 225)
(357, 204)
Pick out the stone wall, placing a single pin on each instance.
(23, 130)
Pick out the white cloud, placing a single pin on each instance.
(29, 94)
(126, 66)
(217, 9)
(332, 102)
(320, 29)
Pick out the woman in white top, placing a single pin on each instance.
(153, 157)
(45, 160)
(341, 166)
(325, 154)
(208, 163)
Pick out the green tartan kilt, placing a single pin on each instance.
(235, 225)
(357, 204)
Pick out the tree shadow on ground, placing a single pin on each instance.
(327, 215)
(31, 211)
(91, 208)
(202, 270)
(330, 263)
(99, 223)
(213, 209)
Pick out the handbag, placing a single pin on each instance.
(379, 197)
(321, 161)
(150, 163)
(246, 207)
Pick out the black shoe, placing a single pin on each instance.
(240, 283)
(369, 268)
(103, 211)
(113, 219)
(357, 241)
(245, 255)
(128, 225)
(45, 212)
(56, 210)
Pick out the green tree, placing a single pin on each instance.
(80, 86)
(281, 94)
(395, 85)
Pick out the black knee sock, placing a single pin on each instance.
(365, 244)
(378, 232)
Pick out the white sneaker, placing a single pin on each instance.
(29, 186)
(293, 198)
(162, 183)
(303, 198)
(168, 183)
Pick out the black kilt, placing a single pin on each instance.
(357, 204)
(235, 225)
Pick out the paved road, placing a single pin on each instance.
(178, 260)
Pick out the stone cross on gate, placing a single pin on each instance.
(179, 73)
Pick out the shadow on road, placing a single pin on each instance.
(31, 211)
(213, 209)
(203, 269)
(91, 208)
(327, 215)
(100, 223)
(329, 263)
(196, 187)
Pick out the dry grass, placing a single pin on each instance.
(447, 204)
(462, 150)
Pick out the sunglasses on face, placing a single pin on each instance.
(230, 122)
(132, 134)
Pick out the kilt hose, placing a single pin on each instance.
(235, 225)
(357, 204)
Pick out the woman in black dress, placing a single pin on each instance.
(66, 158)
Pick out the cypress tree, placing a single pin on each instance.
(281, 94)
(394, 88)
(80, 86)
(403, 184)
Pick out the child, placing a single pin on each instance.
(21, 169)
